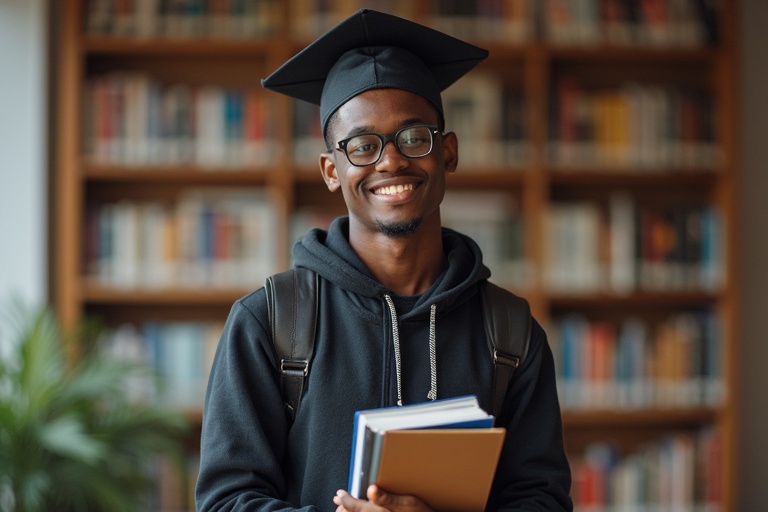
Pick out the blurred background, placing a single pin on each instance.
(612, 171)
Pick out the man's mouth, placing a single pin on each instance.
(392, 189)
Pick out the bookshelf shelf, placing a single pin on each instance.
(661, 299)
(172, 174)
(634, 54)
(547, 159)
(632, 178)
(640, 418)
(97, 294)
(212, 47)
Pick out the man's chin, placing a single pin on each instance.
(399, 229)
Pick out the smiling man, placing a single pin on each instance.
(399, 319)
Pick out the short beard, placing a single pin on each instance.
(399, 229)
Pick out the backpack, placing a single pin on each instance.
(292, 302)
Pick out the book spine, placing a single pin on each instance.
(678, 472)
(602, 365)
(207, 238)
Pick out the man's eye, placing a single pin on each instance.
(412, 141)
(364, 148)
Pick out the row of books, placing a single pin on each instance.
(310, 18)
(682, 472)
(622, 247)
(634, 126)
(490, 119)
(208, 238)
(661, 23)
(226, 19)
(675, 363)
(131, 119)
(178, 354)
(620, 22)
(494, 221)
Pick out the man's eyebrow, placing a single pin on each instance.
(357, 130)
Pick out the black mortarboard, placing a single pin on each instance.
(374, 50)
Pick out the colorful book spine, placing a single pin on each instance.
(208, 238)
(651, 23)
(214, 19)
(631, 365)
(133, 120)
(678, 472)
(621, 247)
(634, 127)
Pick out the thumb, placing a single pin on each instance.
(389, 501)
(380, 497)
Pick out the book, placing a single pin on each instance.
(445, 452)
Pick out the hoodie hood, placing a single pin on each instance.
(329, 254)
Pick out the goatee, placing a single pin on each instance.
(398, 229)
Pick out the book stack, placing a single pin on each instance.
(221, 238)
(493, 220)
(489, 120)
(601, 365)
(681, 472)
(632, 127)
(510, 21)
(180, 355)
(132, 120)
(307, 140)
(311, 18)
(657, 23)
(621, 247)
(444, 452)
(222, 19)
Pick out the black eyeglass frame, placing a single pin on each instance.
(389, 137)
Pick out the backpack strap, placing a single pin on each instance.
(507, 320)
(508, 328)
(292, 306)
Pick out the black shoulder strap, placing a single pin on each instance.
(293, 334)
(507, 320)
(508, 327)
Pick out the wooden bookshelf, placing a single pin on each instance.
(532, 67)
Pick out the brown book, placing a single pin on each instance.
(450, 469)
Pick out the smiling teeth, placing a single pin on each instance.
(393, 189)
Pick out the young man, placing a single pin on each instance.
(400, 320)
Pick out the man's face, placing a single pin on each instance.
(396, 194)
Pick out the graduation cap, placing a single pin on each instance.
(374, 50)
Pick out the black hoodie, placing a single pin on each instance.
(251, 459)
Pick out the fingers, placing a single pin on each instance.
(346, 503)
(395, 502)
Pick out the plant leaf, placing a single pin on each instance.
(67, 437)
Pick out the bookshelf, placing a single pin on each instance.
(610, 139)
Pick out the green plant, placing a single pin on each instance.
(70, 437)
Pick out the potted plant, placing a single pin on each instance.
(71, 439)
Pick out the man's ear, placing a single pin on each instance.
(450, 152)
(328, 170)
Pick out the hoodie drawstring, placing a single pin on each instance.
(432, 395)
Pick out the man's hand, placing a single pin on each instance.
(378, 501)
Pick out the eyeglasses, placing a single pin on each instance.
(411, 142)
